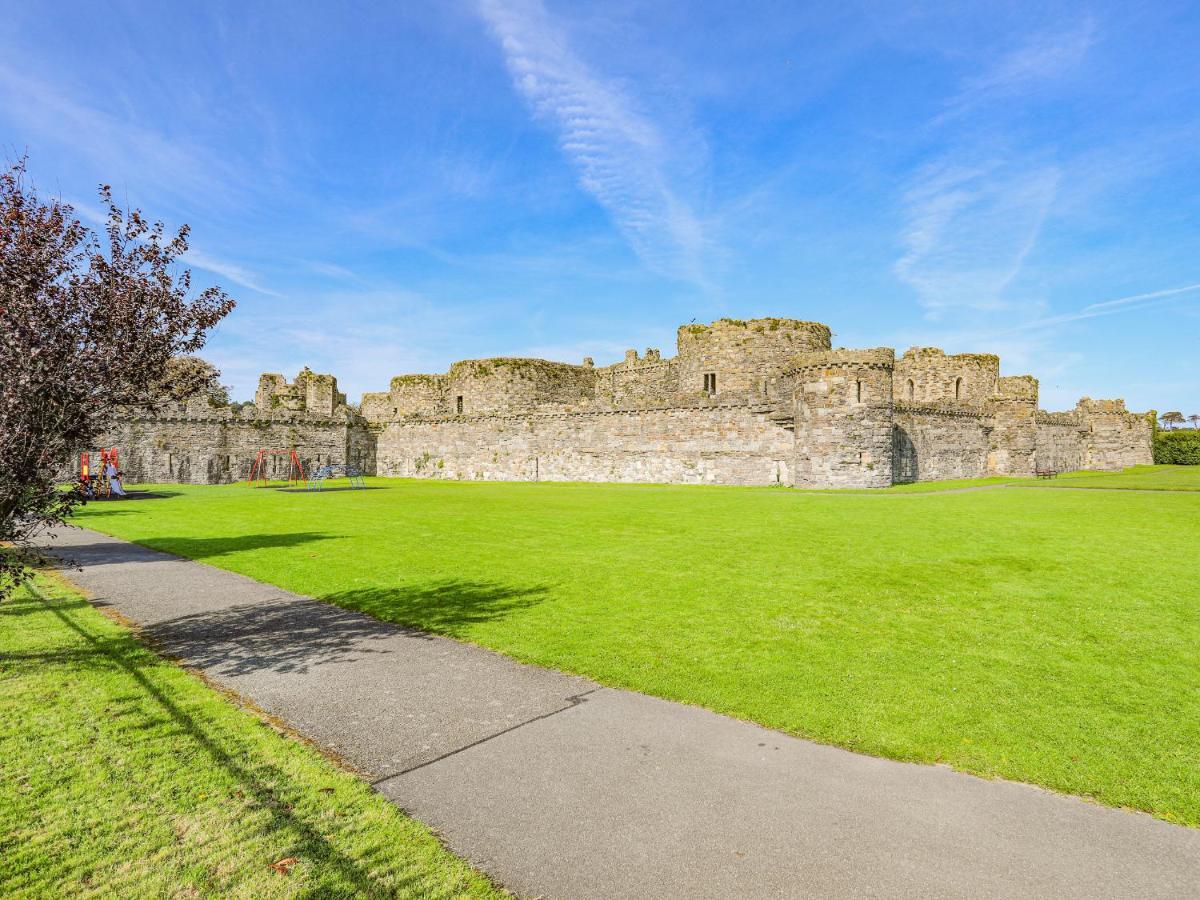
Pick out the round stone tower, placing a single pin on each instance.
(736, 359)
(843, 404)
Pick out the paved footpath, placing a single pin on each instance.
(558, 787)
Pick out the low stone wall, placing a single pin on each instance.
(712, 445)
(932, 443)
(1061, 443)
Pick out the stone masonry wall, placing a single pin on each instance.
(483, 386)
(1061, 442)
(218, 449)
(639, 382)
(746, 356)
(1013, 444)
(761, 401)
(927, 375)
(1116, 437)
(843, 418)
(713, 445)
(938, 442)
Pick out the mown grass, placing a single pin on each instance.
(927, 487)
(123, 775)
(1137, 478)
(1044, 636)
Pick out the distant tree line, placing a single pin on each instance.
(1171, 420)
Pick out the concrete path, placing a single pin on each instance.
(558, 787)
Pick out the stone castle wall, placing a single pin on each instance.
(1061, 443)
(684, 445)
(935, 442)
(927, 375)
(761, 401)
(746, 356)
(639, 382)
(843, 418)
(218, 446)
(1116, 438)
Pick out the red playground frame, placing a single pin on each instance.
(258, 471)
(99, 478)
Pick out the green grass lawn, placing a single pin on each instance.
(928, 487)
(123, 775)
(1046, 636)
(1137, 478)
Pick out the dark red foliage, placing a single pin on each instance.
(88, 324)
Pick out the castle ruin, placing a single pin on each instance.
(758, 402)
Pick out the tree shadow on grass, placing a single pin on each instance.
(114, 506)
(266, 786)
(214, 547)
(293, 634)
(447, 607)
(101, 553)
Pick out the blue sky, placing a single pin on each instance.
(388, 187)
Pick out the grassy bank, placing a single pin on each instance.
(1049, 636)
(123, 775)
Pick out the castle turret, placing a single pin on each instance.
(926, 375)
(310, 393)
(320, 393)
(843, 404)
(734, 358)
(1115, 437)
(1012, 445)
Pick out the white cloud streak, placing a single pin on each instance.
(969, 230)
(1042, 59)
(229, 271)
(1131, 303)
(622, 158)
(115, 143)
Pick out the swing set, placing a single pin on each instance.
(258, 471)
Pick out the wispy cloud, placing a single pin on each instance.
(1138, 298)
(229, 271)
(361, 336)
(116, 143)
(972, 219)
(334, 271)
(1110, 307)
(969, 230)
(621, 156)
(1043, 58)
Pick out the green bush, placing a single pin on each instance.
(1177, 448)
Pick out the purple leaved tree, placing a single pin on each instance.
(89, 324)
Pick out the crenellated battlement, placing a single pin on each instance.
(756, 401)
(875, 358)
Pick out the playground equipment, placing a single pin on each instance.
(107, 478)
(316, 481)
(258, 471)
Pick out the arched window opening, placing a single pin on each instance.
(957, 388)
(912, 390)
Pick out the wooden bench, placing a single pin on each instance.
(1046, 473)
